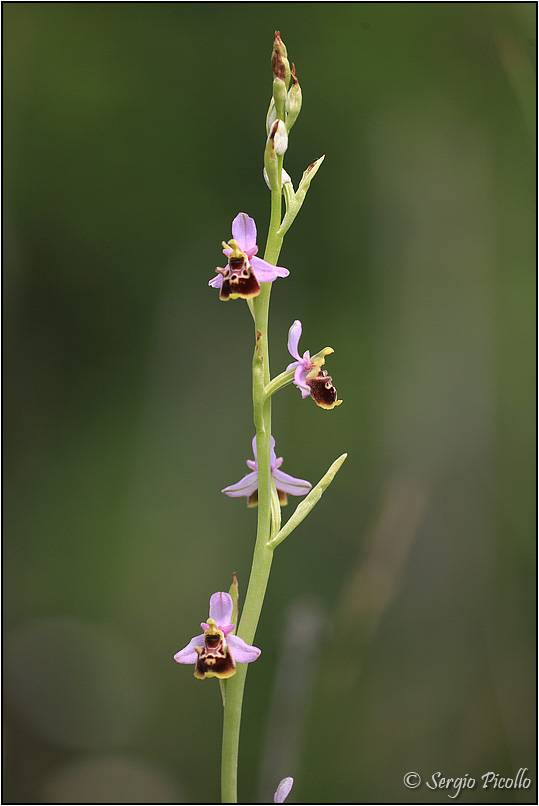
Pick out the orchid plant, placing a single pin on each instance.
(225, 646)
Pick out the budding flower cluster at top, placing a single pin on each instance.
(283, 110)
(286, 103)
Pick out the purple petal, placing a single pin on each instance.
(294, 335)
(283, 790)
(244, 231)
(216, 282)
(245, 486)
(273, 457)
(188, 654)
(289, 484)
(221, 607)
(242, 652)
(299, 380)
(266, 272)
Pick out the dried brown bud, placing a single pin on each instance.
(279, 62)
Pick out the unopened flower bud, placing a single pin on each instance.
(279, 97)
(279, 62)
(285, 178)
(293, 101)
(271, 165)
(271, 116)
(279, 135)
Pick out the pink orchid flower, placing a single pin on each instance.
(216, 652)
(308, 376)
(244, 272)
(248, 485)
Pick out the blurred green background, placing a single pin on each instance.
(399, 627)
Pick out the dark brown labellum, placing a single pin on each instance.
(323, 392)
(214, 659)
(239, 280)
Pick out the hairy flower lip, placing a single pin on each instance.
(284, 483)
(242, 279)
(215, 652)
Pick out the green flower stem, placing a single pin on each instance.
(263, 555)
(279, 382)
(303, 509)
